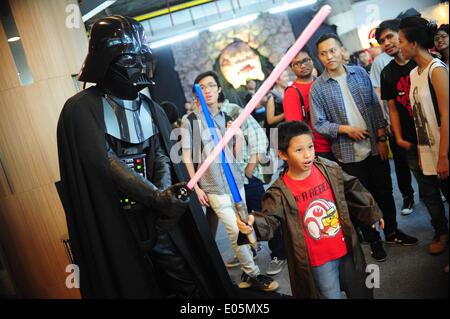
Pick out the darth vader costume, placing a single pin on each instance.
(130, 235)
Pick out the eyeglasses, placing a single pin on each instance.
(438, 37)
(301, 62)
(209, 86)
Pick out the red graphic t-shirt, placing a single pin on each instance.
(319, 215)
(293, 112)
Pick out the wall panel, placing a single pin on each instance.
(32, 220)
(52, 47)
(8, 72)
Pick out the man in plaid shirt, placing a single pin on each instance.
(345, 108)
(252, 151)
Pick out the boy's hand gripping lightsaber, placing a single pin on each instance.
(240, 206)
(310, 29)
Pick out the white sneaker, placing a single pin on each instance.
(232, 262)
(408, 206)
(275, 266)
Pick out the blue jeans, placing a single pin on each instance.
(326, 278)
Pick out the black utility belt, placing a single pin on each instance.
(137, 163)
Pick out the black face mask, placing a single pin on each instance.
(119, 58)
(129, 74)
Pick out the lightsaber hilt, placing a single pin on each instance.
(183, 193)
(241, 211)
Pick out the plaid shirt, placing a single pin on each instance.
(328, 110)
(256, 141)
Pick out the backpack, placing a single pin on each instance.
(433, 97)
(193, 117)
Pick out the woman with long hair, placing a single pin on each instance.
(429, 90)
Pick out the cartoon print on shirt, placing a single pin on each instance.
(424, 133)
(403, 87)
(322, 219)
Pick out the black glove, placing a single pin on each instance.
(171, 208)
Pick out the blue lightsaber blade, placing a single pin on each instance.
(225, 165)
(241, 208)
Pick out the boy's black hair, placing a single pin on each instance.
(419, 30)
(289, 130)
(393, 24)
(327, 36)
(203, 75)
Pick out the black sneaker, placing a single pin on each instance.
(377, 251)
(265, 283)
(408, 206)
(246, 281)
(399, 238)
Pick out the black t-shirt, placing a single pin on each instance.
(395, 85)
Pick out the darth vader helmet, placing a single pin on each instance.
(118, 56)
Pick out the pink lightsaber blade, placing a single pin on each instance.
(265, 87)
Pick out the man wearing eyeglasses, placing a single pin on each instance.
(296, 100)
(213, 190)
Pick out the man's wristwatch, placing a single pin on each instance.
(382, 139)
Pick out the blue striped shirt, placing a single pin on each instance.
(328, 110)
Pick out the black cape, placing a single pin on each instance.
(110, 260)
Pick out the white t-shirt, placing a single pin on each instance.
(362, 148)
(425, 117)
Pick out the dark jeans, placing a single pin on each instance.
(254, 192)
(401, 169)
(276, 245)
(430, 187)
(375, 175)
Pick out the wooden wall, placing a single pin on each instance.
(32, 221)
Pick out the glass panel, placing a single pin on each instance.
(15, 44)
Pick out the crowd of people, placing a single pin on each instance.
(333, 191)
(352, 115)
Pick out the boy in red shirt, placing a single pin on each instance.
(296, 101)
(312, 201)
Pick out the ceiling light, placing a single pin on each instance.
(97, 9)
(289, 6)
(230, 23)
(174, 39)
(13, 39)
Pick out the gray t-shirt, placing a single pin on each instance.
(214, 180)
(362, 148)
(377, 66)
